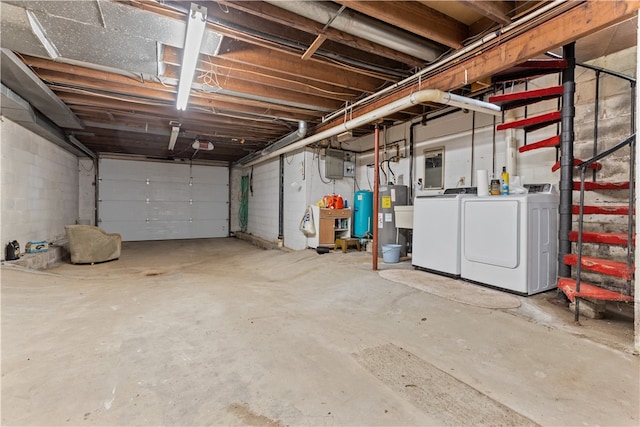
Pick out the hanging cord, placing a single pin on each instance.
(243, 210)
(381, 169)
(392, 175)
(320, 171)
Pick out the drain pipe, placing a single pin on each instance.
(566, 160)
(412, 141)
(511, 142)
(420, 97)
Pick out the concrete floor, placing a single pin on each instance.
(219, 332)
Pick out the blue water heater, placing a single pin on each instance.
(363, 214)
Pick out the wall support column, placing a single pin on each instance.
(566, 159)
(376, 195)
(637, 193)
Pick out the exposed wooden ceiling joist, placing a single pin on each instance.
(258, 87)
(583, 19)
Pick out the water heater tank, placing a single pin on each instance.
(363, 214)
(391, 196)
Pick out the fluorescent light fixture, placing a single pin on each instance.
(193, 40)
(175, 130)
(39, 32)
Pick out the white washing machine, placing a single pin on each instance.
(510, 242)
(436, 231)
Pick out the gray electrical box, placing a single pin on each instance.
(339, 164)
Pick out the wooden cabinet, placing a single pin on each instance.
(331, 224)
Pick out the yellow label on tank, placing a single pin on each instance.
(386, 202)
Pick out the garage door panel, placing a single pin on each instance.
(170, 191)
(119, 169)
(166, 172)
(157, 201)
(209, 193)
(134, 230)
(209, 210)
(119, 189)
(208, 174)
(123, 210)
(165, 230)
(214, 228)
(169, 210)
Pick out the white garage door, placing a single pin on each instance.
(161, 201)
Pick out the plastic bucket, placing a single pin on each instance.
(391, 253)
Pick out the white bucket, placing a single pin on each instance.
(391, 253)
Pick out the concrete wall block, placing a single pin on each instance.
(235, 194)
(264, 201)
(295, 199)
(617, 106)
(623, 61)
(590, 309)
(44, 188)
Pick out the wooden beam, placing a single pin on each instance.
(266, 76)
(415, 18)
(290, 64)
(494, 10)
(580, 21)
(314, 46)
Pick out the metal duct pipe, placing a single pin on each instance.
(287, 140)
(420, 97)
(362, 26)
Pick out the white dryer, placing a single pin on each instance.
(510, 242)
(436, 231)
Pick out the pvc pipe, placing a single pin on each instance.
(511, 149)
(420, 97)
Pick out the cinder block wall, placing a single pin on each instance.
(263, 201)
(235, 196)
(87, 190)
(304, 184)
(295, 199)
(39, 184)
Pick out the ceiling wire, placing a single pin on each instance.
(307, 85)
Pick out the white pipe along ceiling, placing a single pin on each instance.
(420, 97)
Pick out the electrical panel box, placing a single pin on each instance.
(339, 164)
(349, 169)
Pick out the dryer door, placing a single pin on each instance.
(491, 231)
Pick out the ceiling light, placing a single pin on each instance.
(202, 145)
(193, 40)
(39, 32)
(175, 130)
